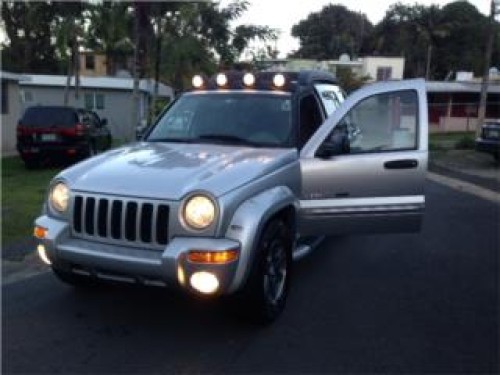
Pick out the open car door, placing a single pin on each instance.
(363, 170)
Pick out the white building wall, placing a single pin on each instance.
(9, 120)
(372, 64)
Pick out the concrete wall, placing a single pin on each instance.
(9, 120)
(117, 105)
(371, 65)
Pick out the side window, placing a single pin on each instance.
(329, 95)
(384, 122)
(310, 118)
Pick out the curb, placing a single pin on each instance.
(30, 266)
(465, 187)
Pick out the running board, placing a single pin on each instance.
(302, 250)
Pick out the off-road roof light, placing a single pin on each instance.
(279, 80)
(221, 80)
(197, 81)
(248, 79)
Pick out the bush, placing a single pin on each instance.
(465, 143)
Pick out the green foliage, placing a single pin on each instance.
(349, 81)
(452, 38)
(331, 32)
(29, 28)
(465, 143)
(23, 192)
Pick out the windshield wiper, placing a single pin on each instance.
(231, 139)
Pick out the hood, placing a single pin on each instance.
(170, 171)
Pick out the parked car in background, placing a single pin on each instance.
(489, 140)
(53, 133)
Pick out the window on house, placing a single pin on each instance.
(89, 101)
(384, 73)
(27, 96)
(99, 101)
(5, 98)
(89, 62)
(94, 101)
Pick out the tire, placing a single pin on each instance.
(31, 164)
(265, 294)
(91, 150)
(78, 281)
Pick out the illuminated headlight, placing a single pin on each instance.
(59, 197)
(199, 212)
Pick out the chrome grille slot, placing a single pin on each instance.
(120, 220)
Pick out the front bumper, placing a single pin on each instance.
(166, 267)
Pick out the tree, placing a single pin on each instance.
(29, 29)
(333, 31)
(110, 31)
(434, 41)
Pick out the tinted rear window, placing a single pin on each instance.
(38, 117)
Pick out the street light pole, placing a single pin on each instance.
(481, 113)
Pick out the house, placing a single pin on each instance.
(11, 110)
(375, 67)
(109, 97)
(453, 105)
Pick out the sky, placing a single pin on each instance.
(283, 14)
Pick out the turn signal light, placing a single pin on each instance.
(212, 257)
(40, 232)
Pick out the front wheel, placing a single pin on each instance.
(266, 291)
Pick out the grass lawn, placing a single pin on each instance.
(23, 192)
(446, 141)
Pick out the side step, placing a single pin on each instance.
(303, 249)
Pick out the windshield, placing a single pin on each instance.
(40, 117)
(246, 119)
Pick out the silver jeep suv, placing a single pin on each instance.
(237, 178)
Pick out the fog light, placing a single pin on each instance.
(204, 282)
(42, 253)
(40, 232)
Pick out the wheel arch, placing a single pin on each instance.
(250, 219)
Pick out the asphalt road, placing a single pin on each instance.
(420, 303)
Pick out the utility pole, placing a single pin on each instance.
(135, 91)
(481, 113)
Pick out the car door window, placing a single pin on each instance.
(310, 118)
(383, 122)
(330, 97)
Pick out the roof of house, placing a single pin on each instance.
(453, 86)
(9, 76)
(111, 83)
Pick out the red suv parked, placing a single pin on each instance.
(56, 133)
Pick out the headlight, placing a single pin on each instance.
(199, 212)
(59, 197)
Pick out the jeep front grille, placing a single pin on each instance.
(120, 220)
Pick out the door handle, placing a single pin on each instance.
(401, 164)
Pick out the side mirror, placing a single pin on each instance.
(104, 122)
(337, 144)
